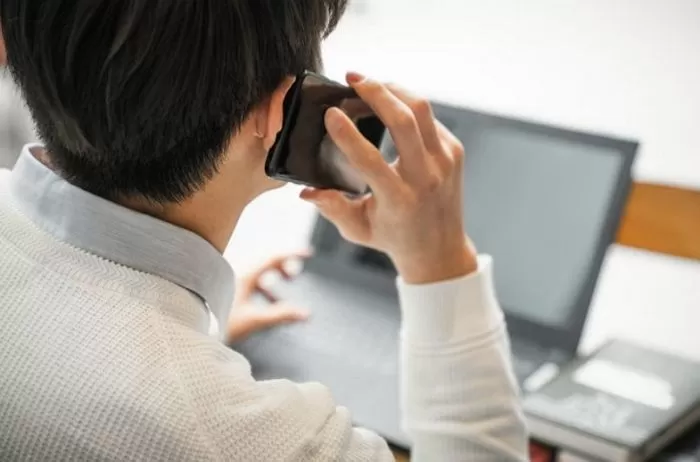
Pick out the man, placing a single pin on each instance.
(156, 118)
(16, 130)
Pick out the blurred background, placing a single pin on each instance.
(627, 68)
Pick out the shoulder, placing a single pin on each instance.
(281, 420)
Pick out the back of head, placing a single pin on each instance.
(140, 97)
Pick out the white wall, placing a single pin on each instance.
(624, 67)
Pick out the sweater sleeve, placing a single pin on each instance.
(460, 400)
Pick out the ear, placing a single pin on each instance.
(270, 117)
(3, 53)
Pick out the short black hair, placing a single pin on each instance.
(138, 98)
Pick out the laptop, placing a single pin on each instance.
(543, 201)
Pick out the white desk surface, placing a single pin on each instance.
(648, 298)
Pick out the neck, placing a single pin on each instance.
(209, 218)
(212, 213)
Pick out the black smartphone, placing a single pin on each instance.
(303, 152)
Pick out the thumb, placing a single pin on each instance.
(346, 214)
(241, 327)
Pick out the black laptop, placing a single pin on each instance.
(543, 201)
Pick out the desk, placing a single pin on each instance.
(649, 299)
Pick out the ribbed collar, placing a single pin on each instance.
(122, 235)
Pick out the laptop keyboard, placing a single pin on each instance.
(527, 358)
(362, 327)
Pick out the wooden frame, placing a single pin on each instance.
(663, 219)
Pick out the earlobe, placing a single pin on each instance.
(275, 112)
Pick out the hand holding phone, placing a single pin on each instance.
(415, 211)
(303, 152)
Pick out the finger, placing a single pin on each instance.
(266, 293)
(241, 327)
(255, 282)
(360, 152)
(293, 265)
(278, 315)
(277, 264)
(396, 116)
(423, 112)
(446, 135)
(245, 288)
(452, 145)
(347, 215)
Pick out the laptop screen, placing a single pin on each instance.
(539, 205)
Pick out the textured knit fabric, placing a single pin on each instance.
(101, 362)
(122, 235)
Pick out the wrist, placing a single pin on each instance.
(439, 265)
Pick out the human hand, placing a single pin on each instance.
(415, 210)
(246, 318)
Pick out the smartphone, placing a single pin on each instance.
(303, 152)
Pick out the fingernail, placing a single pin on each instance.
(306, 192)
(354, 77)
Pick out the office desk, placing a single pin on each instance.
(649, 299)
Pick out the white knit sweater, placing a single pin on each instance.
(101, 362)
